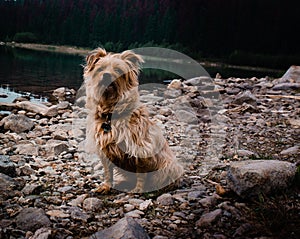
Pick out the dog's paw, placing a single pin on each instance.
(104, 188)
(137, 190)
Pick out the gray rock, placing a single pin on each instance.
(56, 147)
(172, 93)
(195, 195)
(165, 199)
(78, 214)
(151, 99)
(198, 81)
(31, 219)
(252, 177)
(92, 204)
(32, 107)
(292, 74)
(42, 233)
(186, 116)
(245, 97)
(26, 170)
(65, 189)
(209, 200)
(290, 151)
(134, 214)
(208, 218)
(17, 123)
(27, 149)
(8, 187)
(287, 86)
(7, 166)
(246, 153)
(126, 228)
(30, 189)
(135, 202)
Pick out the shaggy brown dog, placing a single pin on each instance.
(119, 129)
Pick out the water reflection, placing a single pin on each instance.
(8, 95)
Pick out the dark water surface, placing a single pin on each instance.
(37, 73)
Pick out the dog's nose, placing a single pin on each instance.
(106, 77)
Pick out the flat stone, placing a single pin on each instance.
(27, 149)
(31, 189)
(78, 214)
(287, 86)
(195, 195)
(198, 81)
(208, 218)
(144, 205)
(55, 147)
(78, 201)
(92, 204)
(165, 199)
(65, 189)
(186, 116)
(291, 150)
(134, 214)
(126, 228)
(252, 177)
(245, 97)
(57, 213)
(7, 166)
(31, 219)
(42, 233)
(151, 99)
(172, 93)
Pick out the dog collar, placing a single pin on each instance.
(106, 125)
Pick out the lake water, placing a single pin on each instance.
(37, 73)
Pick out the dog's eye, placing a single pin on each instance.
(119, 71)
(100, 69)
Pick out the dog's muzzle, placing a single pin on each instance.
(106, 80)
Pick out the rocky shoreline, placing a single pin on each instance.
(238, 138)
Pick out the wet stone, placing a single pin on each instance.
(7, 166)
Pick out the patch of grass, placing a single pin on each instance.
(278, 216)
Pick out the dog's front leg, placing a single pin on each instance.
(140, 183)
(108, 177)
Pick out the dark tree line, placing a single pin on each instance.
(209, 28)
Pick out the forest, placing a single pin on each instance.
(255, 31)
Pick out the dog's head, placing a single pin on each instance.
(110, 75)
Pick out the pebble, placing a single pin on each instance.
(92, 204)
(165, 199)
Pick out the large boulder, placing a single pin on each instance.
(253, 177)
(8, 187)
(17, 123)
(126, 228)
(31, 219)
(292, 75)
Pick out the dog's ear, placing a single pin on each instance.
(133, 58)
(93, 57)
